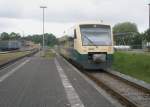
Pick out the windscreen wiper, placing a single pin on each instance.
(90, 40)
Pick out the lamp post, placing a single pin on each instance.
(43, 7)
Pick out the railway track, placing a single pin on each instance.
(128, 93)
(125, 91)
(14, 51)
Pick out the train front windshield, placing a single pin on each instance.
(96, 35)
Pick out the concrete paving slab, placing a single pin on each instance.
(36, 84)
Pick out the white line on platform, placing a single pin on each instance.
(100, 90)
(70, 91)
(2, 78)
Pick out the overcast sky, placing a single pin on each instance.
(26, 16)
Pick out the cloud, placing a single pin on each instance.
(62, 13)
(10, 9)
(29, 26)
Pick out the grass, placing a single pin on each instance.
(133, 64)
(10, 56)
(49, 54)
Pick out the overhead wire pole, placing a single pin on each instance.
(149, 15)
(43, 7)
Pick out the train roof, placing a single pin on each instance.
(92, 22)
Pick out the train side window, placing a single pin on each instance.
(75, 34)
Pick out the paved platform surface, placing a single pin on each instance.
(40, 82)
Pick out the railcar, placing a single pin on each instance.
(8, 45)
(89, 45)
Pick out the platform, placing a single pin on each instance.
(39, 82)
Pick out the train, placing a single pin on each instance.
(8, 45)
(88, 45)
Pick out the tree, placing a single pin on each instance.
(125, 27)
(5, 36)
(11, 36)
(50, 39)
(146, 35)
(126, 33)
(14, 36)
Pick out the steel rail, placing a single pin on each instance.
(122, 98)
(145, 89)
(115, 93)
(34, 51)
